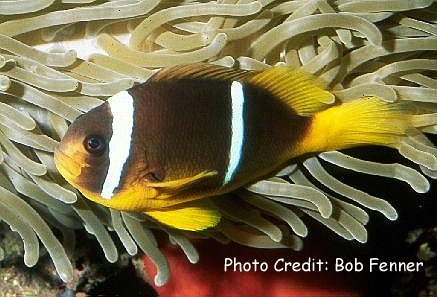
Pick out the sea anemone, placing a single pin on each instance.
(59, 59)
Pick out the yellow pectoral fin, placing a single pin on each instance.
(183, 182)
(192, 216)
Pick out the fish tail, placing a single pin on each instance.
(364, 121)
(332, 126)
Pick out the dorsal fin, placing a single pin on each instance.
(300, 90)
(303, 92)
(199, 70)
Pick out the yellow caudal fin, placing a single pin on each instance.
(191, 216)
(303, 92)
(364, 121)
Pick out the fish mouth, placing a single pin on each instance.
(69, 168)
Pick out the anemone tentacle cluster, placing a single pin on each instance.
(59, 59)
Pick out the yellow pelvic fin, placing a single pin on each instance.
(192, 216)
(300, 90)
(179, 184)
(364, 121)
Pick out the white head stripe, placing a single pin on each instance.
(122, 109)
(237, 130)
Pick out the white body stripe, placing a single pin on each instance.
(122, 109)
(237, 130)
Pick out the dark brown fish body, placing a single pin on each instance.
(196, 131)
(177, 122)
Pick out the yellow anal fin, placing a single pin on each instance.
(364, 121)
(179, 184)
(191, 216)
(303, 92)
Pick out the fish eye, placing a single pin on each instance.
(95, 145)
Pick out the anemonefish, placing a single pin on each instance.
(192, 132)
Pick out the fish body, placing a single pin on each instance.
(197, 131)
